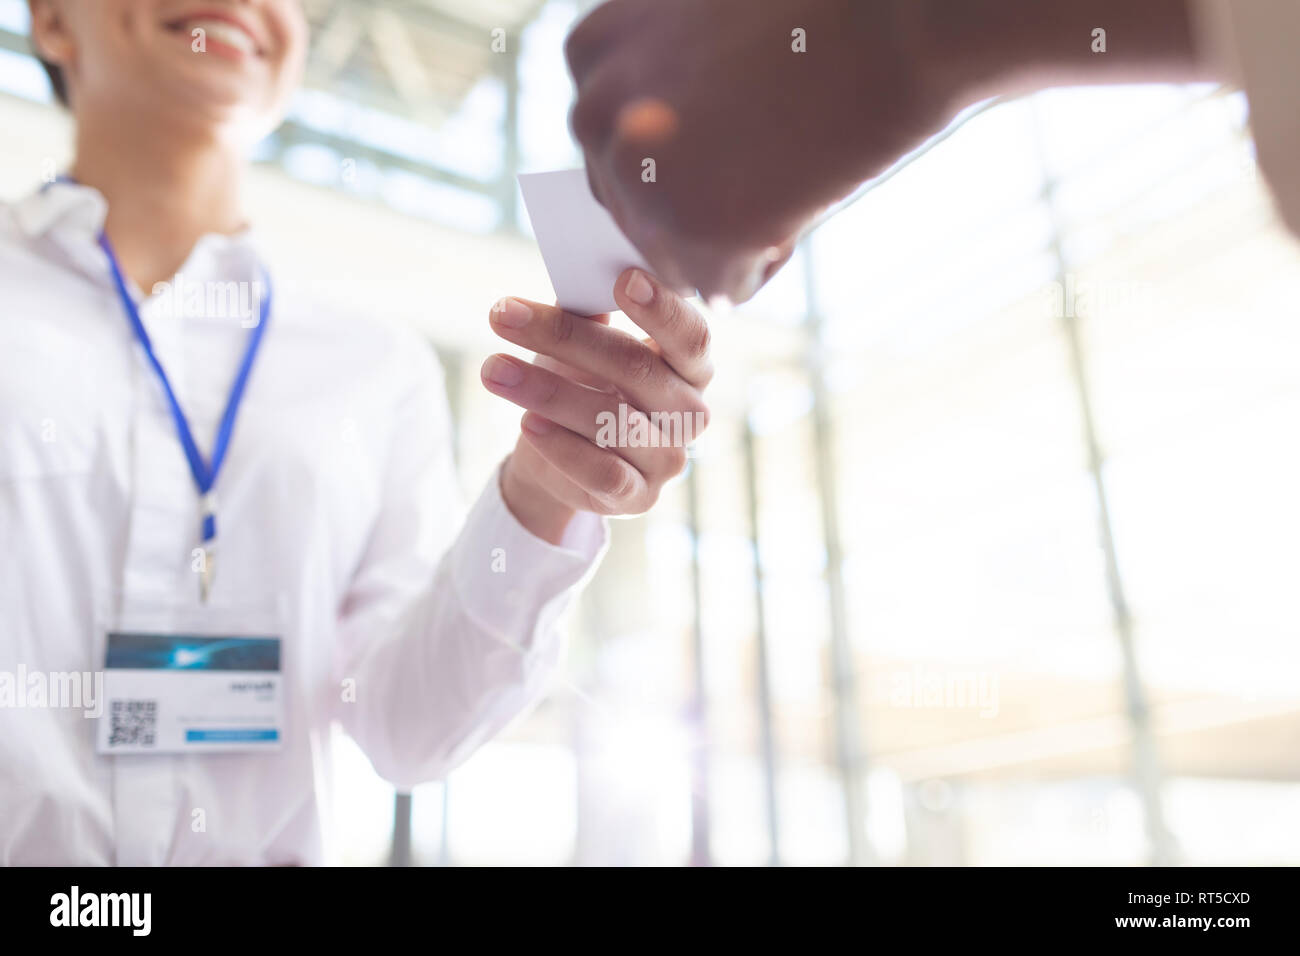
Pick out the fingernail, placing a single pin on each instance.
(639, 289)
(537, 424)
(502, 371)
(511, 313)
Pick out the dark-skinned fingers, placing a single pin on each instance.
(594, 38)
(680, 331)
(610, 355)
(594, 416)
(611, 483)
(593, 118)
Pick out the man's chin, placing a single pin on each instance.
(229, 119)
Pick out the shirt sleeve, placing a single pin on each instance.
(444, 639)
(1252, 43)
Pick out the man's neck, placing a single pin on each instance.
(164, 192)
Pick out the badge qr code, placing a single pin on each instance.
(134, 723)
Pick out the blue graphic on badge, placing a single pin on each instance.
(186, 652)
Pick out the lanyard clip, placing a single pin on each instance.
(208, 571)
(208, 547)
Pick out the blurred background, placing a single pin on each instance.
(990, 553)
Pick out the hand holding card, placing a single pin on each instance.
(588, 378)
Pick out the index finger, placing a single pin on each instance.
(678, 329)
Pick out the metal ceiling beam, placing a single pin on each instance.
(423, 15)
(15, 42)
(295, 134)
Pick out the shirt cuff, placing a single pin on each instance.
(513, 583)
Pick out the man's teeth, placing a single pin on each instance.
(225, 33)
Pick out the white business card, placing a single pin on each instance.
(582, 246)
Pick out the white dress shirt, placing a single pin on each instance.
(338, 498)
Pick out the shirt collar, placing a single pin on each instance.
(74, 216)
(62, 205)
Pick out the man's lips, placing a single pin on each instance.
(225, 29)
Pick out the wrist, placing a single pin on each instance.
(970, 50)
(541, 514)
(939, 50)
(914, 65)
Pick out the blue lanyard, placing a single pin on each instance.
(204, 473)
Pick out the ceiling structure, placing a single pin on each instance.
(413, 58)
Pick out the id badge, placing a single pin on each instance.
(185, 679)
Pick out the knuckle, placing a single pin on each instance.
(614, 479)
(693, 330)
(589, 121)
(573, 44)
(689, 327)
(584, 44)
(700, 339)
(638, 362)
(611, 508)
(563, 327)
(597, 505)
(675, 313)
(548, 390)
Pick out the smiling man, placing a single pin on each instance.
(272, 494)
